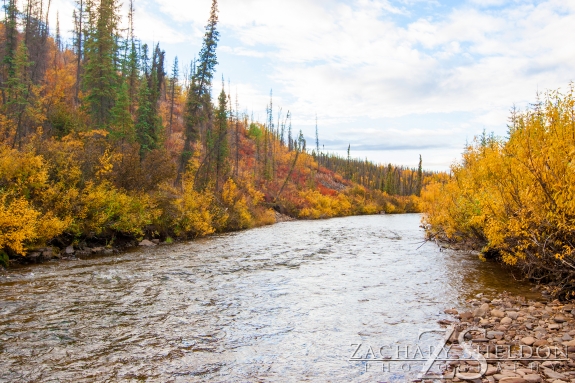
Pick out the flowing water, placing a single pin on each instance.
(281, 303)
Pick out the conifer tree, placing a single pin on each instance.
(199, 103)
(148, 124)
(419, 177)
(220, 138)
(172, 90)
(100, 78)
(18, 93)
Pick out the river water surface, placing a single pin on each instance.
(280, 303)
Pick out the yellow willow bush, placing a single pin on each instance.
(516, 198)
(23, 218)
(318, 205)
(193, 215)
(103, 208)
(239, 216)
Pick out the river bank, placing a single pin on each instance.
(100, 247)
(521, 341)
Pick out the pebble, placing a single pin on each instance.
(532, 378)
(553, 374)
(528, 340)
(497, 313)
(506, 320)
(513, 323)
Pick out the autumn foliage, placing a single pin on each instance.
(99, 145)
(515, 198)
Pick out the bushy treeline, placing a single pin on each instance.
(98, 142)
(391, 179)
(515, 197)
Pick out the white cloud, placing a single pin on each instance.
(355, 59)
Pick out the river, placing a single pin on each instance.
(283, 303)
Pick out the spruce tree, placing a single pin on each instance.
(100, 78)
(221, 143)
(148, 125)
(419, 184)
(198, 103)
(172, 90)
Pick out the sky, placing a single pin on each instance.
(394, 79)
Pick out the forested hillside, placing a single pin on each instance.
(102, 139)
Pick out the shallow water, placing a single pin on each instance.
(279, 303)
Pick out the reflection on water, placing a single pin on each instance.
(280, 303)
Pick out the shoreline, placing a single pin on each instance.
(97, 248)
(521, 341)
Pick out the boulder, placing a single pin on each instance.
(147, 243)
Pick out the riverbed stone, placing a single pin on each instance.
(147, 243)
(528, 340)
(512, 380)
(495, 334)
(491, 370)
(549, 373)
(451, 312)
(506, 320)
(560, 319)
(497, 313)
(69, 250)
(532, 378)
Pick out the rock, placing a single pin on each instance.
(505, 374)
(513, 314)
(553, 374)
(451, 312)
(156, 241)
(566, 337)
(465, 316)
(69, 250)
(497, 313)
(506, 320)
(528, 340)
(540, 342)
(532, 378)
(482, 310)
(468, 376)
(34, 255)
(491, 370)
(147, 243)
(559, 319)
(554, 326)
(512, 380)
(495, 334)
(98, 250)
